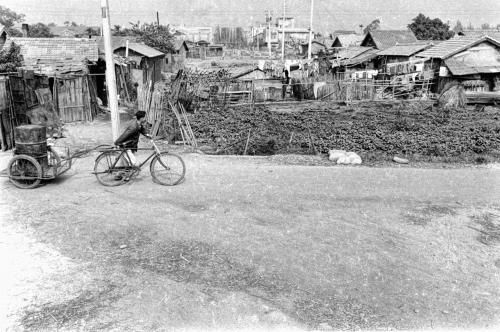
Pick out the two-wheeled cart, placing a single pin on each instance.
(34, 160)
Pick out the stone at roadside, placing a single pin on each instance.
(277, 317)
(342, 157)
(400, 160)
(324, 327)
(343, 160)
(354, 158)
(334, 155)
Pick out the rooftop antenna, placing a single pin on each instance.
(309, 51)
(283, 32)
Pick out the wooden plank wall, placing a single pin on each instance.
(74, 99)
(6, 116)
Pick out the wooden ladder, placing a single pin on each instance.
(185, 128)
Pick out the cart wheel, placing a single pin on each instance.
(54, 160)
(106, 171)
(24, 172)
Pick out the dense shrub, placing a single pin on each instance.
(389, 131)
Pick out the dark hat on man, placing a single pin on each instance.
(140, 114)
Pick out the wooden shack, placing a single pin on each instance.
(177, 58)
(148, 61)
(61, 66)
(473, 61)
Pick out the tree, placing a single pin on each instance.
(470, 26)
(8, 17)
(485, 26)
(93, 31)
(51, 25)
(374, 25)
(10, 58)
(40, 30)
(458, 27)
(498, 27)
(155, 36)
(426, 28)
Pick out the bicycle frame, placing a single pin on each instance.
(156, 152)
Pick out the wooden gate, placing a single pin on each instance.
(73, 99)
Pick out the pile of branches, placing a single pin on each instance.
(387, 130)
(191, 87)
(454, 97)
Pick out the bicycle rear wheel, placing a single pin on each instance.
(167, 169)
(106, 170)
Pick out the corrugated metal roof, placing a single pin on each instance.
(316, 41)
(69, 31)
(495, 34)
(365, 56)
(459, 68)
(327, 42)
(143, 49)
(384, 39)
(178, 44)
(405, 49)
(56, 67)
(35, 50)
(235, 73)
(351, 52)
(116, 41)
(455, 45)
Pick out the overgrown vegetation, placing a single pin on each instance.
(8, 18)
(10, 58)
(40, 30)
(424, 133)
(156, 36)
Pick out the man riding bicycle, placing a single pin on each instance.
(129, 139)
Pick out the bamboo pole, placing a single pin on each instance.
(248, 141)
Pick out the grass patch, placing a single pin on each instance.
(489, 234)
(84, 306)
(423, 215)
(216, 271)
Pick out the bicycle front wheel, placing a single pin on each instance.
(167, 169)
(106, 170)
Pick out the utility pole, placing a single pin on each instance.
(283, 33)
(269, 32)
(309, 50)
(158, 18)
(110, 70)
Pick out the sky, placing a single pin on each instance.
(329, 15)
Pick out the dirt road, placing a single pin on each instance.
(251, 243)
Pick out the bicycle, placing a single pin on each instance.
(114, 167)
